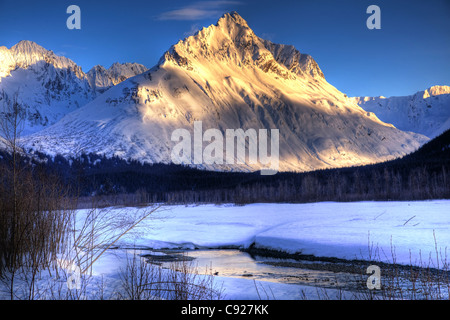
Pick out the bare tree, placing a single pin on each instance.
(11, 126)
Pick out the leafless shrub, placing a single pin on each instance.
(180, 281)
(418, 280)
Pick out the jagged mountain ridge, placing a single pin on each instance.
(426, 112)
(49, 86)
(102, 79)
(229, 78)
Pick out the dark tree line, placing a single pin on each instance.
(423, 174)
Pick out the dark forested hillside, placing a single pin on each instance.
(423, 174)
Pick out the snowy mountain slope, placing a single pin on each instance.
(229, 78)
(102, 79)
(426, 112)
(49, 86)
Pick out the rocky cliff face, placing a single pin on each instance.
(102, 79)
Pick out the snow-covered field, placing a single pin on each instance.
(409, 231)
(328, 229)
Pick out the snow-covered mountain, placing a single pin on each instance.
(426, 112)
(102, 79)
(229, 78)
(49, 86)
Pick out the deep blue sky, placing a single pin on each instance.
(411, 52)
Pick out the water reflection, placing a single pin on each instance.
(237, 264)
